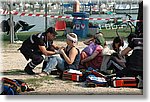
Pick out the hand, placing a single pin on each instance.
(61, 50)
(57, 51)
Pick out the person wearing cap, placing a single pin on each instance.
(91, 56)
(69, 57)
(37, 45)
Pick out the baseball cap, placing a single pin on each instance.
(99, 39)
(51, 30)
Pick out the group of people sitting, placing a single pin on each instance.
(106, 58)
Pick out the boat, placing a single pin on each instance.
(130, 9)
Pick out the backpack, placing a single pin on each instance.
(14, 87)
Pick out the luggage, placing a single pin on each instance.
(14, 87)
(93, 81)
(95, 72)
(73, 75)
(91, 71)
(125, 82)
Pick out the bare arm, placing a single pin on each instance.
(45, 52)
(72, 55)
(89, 41)
(90, 57)
(126, 51)
(55, 46)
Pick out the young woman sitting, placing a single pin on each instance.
(69, 57)
(91, 56)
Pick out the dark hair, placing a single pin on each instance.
(118, 40)
(51, 30)
(131, 36)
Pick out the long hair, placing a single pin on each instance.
(117, 40)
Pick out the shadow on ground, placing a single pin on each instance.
(14, 72)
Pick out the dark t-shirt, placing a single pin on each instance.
(136, 42)
(135, 61)
(31, 45)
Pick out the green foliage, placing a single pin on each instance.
(21, 36)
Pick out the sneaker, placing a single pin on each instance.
(29, 71)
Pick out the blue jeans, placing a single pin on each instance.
(53, 62)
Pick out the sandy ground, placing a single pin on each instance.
(13, 64)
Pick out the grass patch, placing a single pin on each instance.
(36, 82)
(32, 81)
(109, 34)
(14, 72)
(21, 36)
(68, 81)
(39, 80)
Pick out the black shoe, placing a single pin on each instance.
(61, 75)
(44, 65)
(29, 71)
